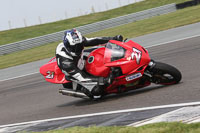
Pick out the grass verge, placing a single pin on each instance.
(19, 34)
(155, 24)
(163, 127)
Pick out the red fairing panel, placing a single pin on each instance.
(134, 57)
(95, 63)
(137, 57)
(52, 72)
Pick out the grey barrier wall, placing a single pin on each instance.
(86, 29)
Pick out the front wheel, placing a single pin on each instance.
(165, 74)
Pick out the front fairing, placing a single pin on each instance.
(129, 56)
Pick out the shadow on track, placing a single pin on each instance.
(113, 97)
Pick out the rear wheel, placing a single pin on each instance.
(165, 74)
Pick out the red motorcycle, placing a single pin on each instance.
(126, 63)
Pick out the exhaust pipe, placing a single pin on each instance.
(72, 93)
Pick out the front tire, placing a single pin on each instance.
(165, 74)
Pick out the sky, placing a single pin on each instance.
(22, 13)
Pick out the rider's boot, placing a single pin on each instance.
(102, 82)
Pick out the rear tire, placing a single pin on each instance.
(165, 74)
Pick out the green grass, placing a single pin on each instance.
(30, 55)
(155, 24)
(163, 127)
(19, 34)
(179, 18)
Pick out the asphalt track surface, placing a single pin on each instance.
(32, 98)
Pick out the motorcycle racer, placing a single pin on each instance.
(69, 52)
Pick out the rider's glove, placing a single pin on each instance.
(118, 38)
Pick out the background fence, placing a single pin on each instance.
(86, 29)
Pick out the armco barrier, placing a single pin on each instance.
(86, 29)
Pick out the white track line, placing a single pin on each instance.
(105, 113)
(19, 76)
(176, 40)
(140, 123)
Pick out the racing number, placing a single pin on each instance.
(50, 75)
(137, 54)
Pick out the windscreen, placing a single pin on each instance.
(113, 52)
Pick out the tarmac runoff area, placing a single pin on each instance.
(184, 112)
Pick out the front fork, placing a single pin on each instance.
(148, 73)
(151, 65)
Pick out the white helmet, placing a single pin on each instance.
(73, 42)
